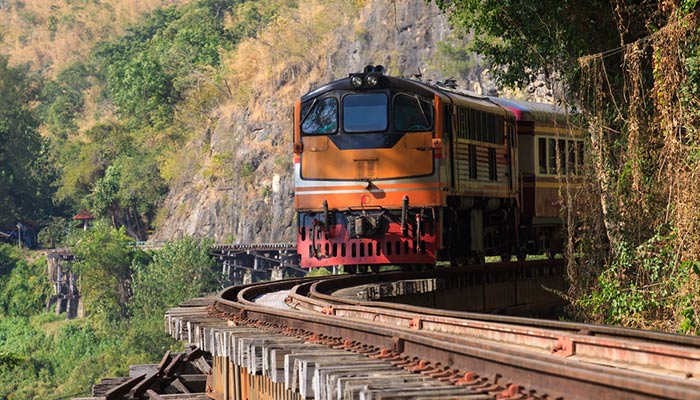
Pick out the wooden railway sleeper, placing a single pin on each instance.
(401, 362)
(442, 372)
(451, 378)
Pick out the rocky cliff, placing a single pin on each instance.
(243, 192)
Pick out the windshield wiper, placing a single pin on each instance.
(311, 107)
(425, 117)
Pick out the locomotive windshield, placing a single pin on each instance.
(411, 113)
(365, 112)
(321, 118)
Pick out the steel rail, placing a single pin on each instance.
(321, 291)
(573, 341)
(553, 375)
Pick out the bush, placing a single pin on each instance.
(182, 270)
(26, 290)
(647, 287)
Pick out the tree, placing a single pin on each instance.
(148, 69)
(63, 100)
(113, 168)
(104, 257)
(523, 39)
(182, 270)
(25, 290)
(25, 189)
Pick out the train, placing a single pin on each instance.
(398, 171)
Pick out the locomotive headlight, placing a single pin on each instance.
(372, 80)
(356, 81)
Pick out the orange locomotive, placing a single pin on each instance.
(393, 171)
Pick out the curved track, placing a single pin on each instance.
(520, 357)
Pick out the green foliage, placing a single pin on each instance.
(152, 78)
(688, 6)
(104, 257)
(45, 356)
(183, 269)
(25, 191)
(103, 197)
(130, 183)
(26, 290)
(63, 99)
(318, 272)
(633, 73)
(113, 178)
(246, 170)
(521, 39)
(9, 256)
(644, 286)
(84, 162)
(180, 271)
(150, 73)
(148, 69)
(220, 166)
(10, 360)
(46, 360)
(250, 18)
(454, 58)
(54, 232)
(161, 78)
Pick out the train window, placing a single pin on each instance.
(365, 112)
(552, 152)
(412, 114)
(542, 156)
(571, 157)
(320, 117)
(561, 152)
(462, 123)
(565, 156)
(579, 157)
(473, 171)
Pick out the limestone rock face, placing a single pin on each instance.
(244, 192)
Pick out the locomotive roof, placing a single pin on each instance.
(535, 112)
(415, 86)
(395, 82)
(521, 110)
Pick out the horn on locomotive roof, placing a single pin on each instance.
(372, 68)
(448, 83)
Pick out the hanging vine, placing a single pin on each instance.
(643, 123)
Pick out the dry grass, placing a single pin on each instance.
(266, 69)
(49, 34)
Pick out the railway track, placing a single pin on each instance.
(400, 351)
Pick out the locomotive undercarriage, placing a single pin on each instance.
(541, 237)
(472, 229)
(368, 238)
(477, 227)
